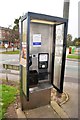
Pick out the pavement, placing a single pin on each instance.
(63, 106)
(71, 106)
(52, 110)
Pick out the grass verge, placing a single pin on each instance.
(73, 56)
(10, 52)
(7, 96)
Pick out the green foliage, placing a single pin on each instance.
(69, 37)
(76, 42)
(11, 52)
(16, 22)
(7, 97)
(69, 40)
(16, 26)
(73, 56)
(14, 32)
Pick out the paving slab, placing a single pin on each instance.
(71, 106)
(59, 110)
(20, 113)
(42, 112)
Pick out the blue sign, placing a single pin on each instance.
(37, 43)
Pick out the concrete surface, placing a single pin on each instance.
(20, 113)
(71, 107)
(68, 110)
(12, 77)
(47, 111)
(59, 110)
(53, 110)
(42, 112)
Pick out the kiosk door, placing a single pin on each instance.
(59, 55)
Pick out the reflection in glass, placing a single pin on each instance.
(24, 39)
(58, 55)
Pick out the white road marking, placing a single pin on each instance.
(71, 66)
(67, 75)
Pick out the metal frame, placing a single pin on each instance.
(53, 54)
(63, 58)
(27, 47)
(21, 92)
(43, 17)
(30, 16)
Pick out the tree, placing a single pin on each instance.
(16, 26)
(69, 40)
(12, 35)
(8, 34)
(76, 42)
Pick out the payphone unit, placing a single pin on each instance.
(43, 41)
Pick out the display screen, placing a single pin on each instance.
(43, 57)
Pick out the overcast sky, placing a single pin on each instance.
(12, 9)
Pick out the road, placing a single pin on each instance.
(71, 68)
(12, 75)
(8, 58)
(72, 71)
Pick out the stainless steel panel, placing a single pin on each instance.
(37, 99)
(46, 32)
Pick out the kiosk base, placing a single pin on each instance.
(39, 96)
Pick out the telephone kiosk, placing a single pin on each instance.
(43, 39)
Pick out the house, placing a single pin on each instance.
(4, 36)
(7, 36)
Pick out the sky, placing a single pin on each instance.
(12, 9)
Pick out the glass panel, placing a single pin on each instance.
(23, 60)
(58, 55)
